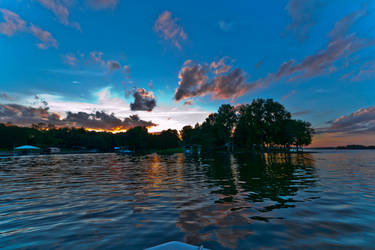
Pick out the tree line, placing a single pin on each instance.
(261, 125)
(136, 139)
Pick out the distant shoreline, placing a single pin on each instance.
(351, 147)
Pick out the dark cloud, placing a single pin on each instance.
(188, 102)
(195, 80)
(143, 100)
(113, 65)
(26, 116)
(360, 122)
(101, 120)
(97, 58)
(191, 78)
(303, 14)
(231, 85)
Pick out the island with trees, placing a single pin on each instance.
(263, 125)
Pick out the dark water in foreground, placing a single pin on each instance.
(102, 201)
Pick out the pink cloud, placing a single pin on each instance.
(45, 37)
(60, 10)
(220, 67)
(168, 28)
(285, 97)
(70, 59)
(12, 23)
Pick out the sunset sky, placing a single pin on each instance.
(97, 63)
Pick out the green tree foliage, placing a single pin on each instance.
(263, 124)
(137, 138)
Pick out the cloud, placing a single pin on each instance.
(102, 4)
(168, 28)
(97, 57)
(101, 120)
(113, 65)
(70, 59)
(12, 23)
(342, 27)
(366, 71)
(108, 101)
(127, 69)
(258, 64)
(225, 26)
(220, 66)
(188, 102)
(303, 14)
(26, 116)
(143, 100)
(285, 97)
(322, 61)
(191, 78)
(340, 45)
(151, 84)
(195, 80)
(40, 100)
(360, 122)
(6, 97)
(60, 10)
(45, 37)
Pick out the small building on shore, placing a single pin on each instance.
(54, 150)
(26, 150)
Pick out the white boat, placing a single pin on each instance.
(176, 245)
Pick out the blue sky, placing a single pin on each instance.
(315, 57)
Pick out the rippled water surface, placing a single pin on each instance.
(223, 201)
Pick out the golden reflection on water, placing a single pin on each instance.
(219, 200)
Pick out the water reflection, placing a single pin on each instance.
(221, 200)
(248, 188)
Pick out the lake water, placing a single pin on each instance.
(106, 201)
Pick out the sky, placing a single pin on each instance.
(115, 64)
